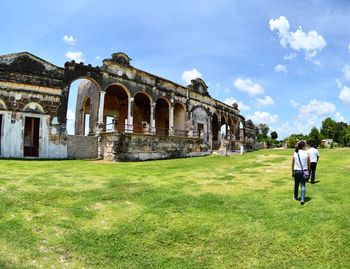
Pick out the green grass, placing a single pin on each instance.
(209, 212)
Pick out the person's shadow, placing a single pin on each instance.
(307, 199)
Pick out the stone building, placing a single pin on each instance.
(122, 113)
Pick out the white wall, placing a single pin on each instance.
(12, 137)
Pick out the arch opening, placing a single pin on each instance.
(179, 120)
(141, 113)
(77, 121)
(162, 117)
(115, 106)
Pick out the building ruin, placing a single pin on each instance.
(122, 113)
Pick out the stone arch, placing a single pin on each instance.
(34, 108)
(2, 105)
(179, 119)
(141, 113)
(79, 89)
(117, 84)
(162, 116)
(115, 105)
(200, 119)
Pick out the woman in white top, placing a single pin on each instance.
(300, 163)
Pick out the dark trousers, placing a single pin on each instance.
(313, 172)
(299, 180)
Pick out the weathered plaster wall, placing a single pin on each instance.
(137, 147)
(81, 147)
(12, 137)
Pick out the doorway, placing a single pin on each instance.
(31, 137)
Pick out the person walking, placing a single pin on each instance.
(300, 164)
(314, 156)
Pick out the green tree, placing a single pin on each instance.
(274, 135)
(314, 137)
(328, 128)
(262, 131)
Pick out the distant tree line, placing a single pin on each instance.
(339, 132)
(263, 136)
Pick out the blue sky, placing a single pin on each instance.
(286, 63)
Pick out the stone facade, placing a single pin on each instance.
(133, 115)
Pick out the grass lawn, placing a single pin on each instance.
(208, 212)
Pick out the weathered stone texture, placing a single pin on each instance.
(81, 147)
(135, 147)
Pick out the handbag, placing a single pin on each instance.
(306, 173)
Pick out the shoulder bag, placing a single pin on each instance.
(306, 173)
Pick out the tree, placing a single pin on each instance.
(314, 137)
(274, 135)
(328, 128)
(262, 131)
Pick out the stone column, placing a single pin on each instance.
(171, 120)
(152, 119)
(101, 107)
(129, 127)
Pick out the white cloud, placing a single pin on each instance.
(349, 48)
(241, 105)
(346, 71)
(267, 101)
(70, 40)
(344, 95)
(339, 117)
(311, 42)
(98, 57)
(263, 117)
(339, 84)
(188, 75)
(280, 68)
(77, 56)
(281, 25)
(247, 86)
(316, 108)
(290, 57)
(294, 103)
(70, 115)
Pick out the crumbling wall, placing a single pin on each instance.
(138, 147)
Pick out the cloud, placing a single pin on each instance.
(339, 117)
(311, 42)
(247, 86)
(339, 84)
(344, 95)
(188, 75)
(349, 48)
(263, 117)
(290, 57)
(316, 108)
(70, 40)
(267, 101)
(294, 103)
(280, 68)
(241, 105)
(77, 56)
(70, 115)
(346, 71)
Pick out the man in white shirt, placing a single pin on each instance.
(314, 156)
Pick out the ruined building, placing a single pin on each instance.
(122, 113)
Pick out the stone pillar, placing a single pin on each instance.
(152, 119)
(171, 120)
(129, 127)
(101, 107)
